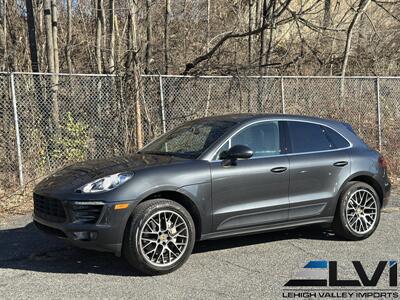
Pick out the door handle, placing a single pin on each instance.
(341, 163)
(278, 169)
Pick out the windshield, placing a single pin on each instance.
(189, 140)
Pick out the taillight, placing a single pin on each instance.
(382, 162)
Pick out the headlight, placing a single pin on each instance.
(106, 183)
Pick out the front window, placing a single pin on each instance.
(189, 140)
(262, 138)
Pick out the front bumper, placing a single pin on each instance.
(105, 233)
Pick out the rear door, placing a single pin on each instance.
(254, 191)
(319, 164)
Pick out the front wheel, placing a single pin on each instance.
(159, 237)
(358, 212)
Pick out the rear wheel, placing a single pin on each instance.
(358, 213)
(159, 237)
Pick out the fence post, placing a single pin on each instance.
(162, 106)
(19, 153)
(378, 112)
(282, 95)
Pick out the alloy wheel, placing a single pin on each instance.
(164, 238)
(361, 211)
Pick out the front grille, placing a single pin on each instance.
(49, 209)
(50, 230)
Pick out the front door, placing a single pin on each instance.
(254, 191)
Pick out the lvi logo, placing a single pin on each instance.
(326, 273)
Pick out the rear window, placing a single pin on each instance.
(310, 137)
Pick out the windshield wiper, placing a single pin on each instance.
(156, 153)
(176, 154)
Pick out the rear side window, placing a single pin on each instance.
(310, 137)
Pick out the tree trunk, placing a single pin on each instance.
(258, 14)
(362, 42)
(166, 34)
(99, 34)
(327, 14)
(250, 28)
(271, 20)
(361, 9)
(32, 36)
(133, 69)
(40, 33)
(54, 17)
(262, 35)
(49, 35)
(208, 30)
(149, 37)
(111, 62)
(69, 37)
(3, 33)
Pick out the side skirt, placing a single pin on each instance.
(264, 228)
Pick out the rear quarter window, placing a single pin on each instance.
(335, 138)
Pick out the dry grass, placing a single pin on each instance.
(17, 203)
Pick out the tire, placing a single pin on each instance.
(353, 205)
(168, 248)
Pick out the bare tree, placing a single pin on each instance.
(3, 33)
(134, 70)
(360, 10)
(234, 35)
(258, 13)
(54, 19)
(50, 22)
(111, 21)
(327, 13)
(250, 28)
(32, 36)
(149, 36)
(264, 10)
(49, 35)
(99, 34)
(208, 26)
(69, 37)
(166, 34)
(271, 15)
(318, 26)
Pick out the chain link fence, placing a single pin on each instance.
(49, 121)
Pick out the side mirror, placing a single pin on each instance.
(236, 152)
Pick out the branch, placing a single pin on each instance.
(311, 25)
(232, 35)
(379, 3)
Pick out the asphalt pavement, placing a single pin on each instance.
(33, 265)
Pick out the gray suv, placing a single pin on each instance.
(217, 177)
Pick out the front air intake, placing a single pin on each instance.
(48, 209)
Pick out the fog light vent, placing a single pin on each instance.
(86, 212)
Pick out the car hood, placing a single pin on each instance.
(78, 174)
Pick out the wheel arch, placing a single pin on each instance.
(183, 200)
(369, 179)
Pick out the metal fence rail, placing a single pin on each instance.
(48, 121)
